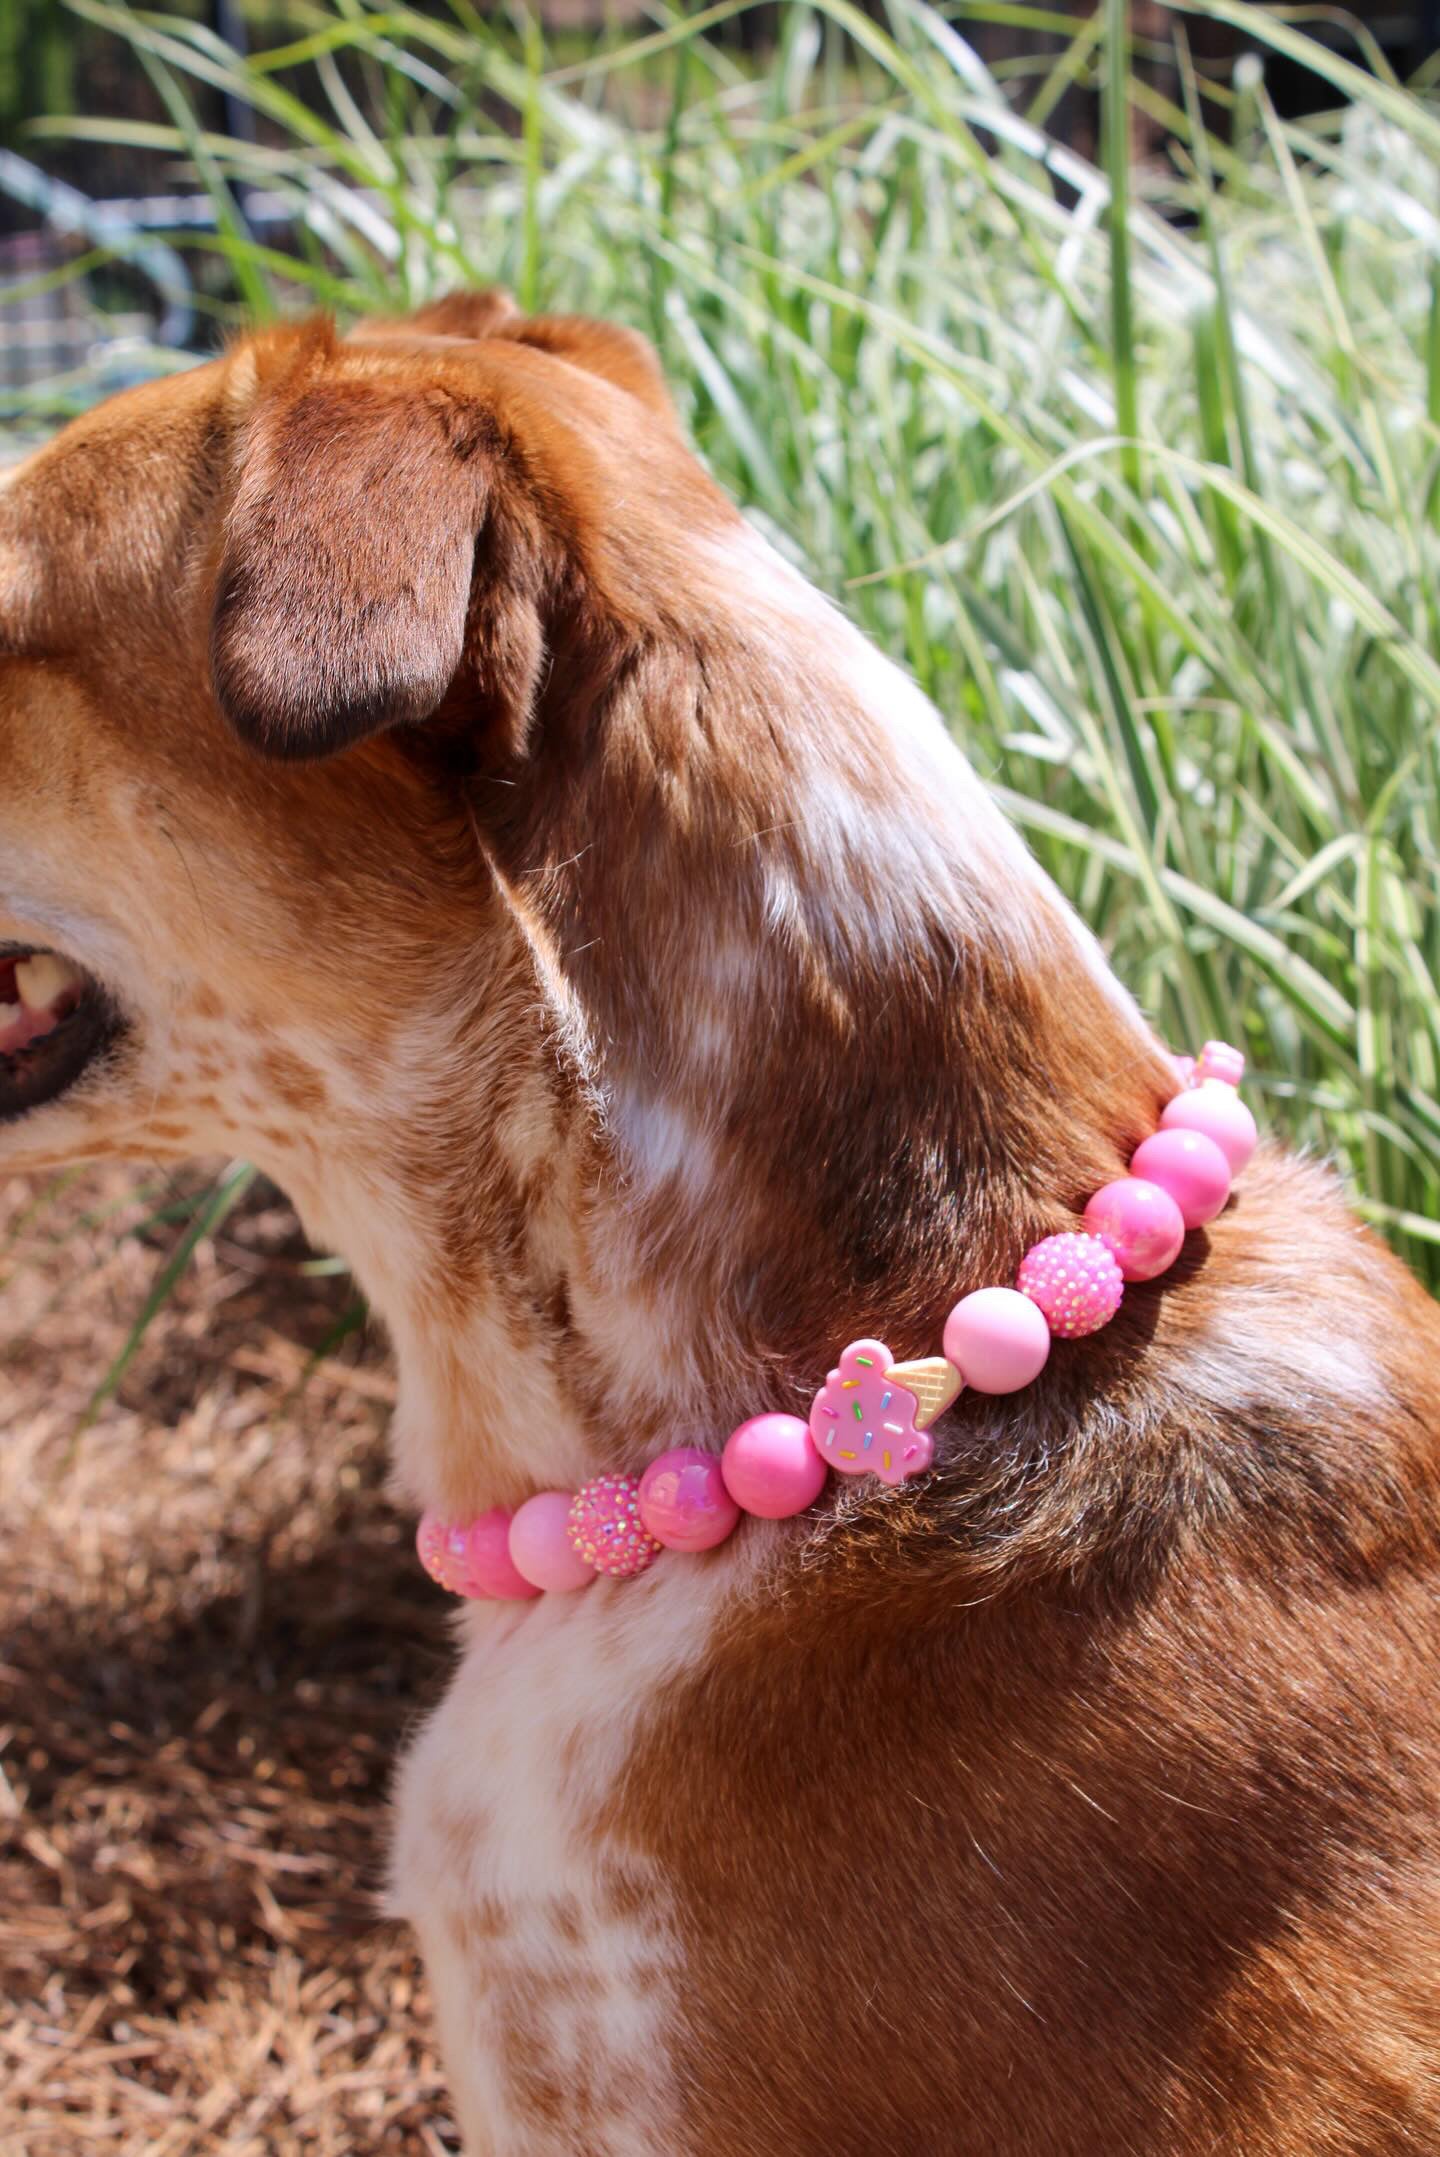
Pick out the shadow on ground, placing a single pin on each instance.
(215, 1640)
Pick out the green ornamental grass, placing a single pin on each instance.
(1137, 470)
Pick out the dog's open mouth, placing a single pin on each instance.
(54, 1022)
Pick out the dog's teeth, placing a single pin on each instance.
(43, 980)
(9, 1015)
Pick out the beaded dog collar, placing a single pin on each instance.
(872, 1415)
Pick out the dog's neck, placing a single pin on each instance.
(779, 1039)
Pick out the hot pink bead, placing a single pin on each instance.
(1218, 1111)
(684, 1502)
(1140, 1223)
(605, 1527)
(771, 1467)
(1191, 1168)
(1217, 1060)
(1075, 1281)
(472, 1557)
(997, 1339)
(540, 1547)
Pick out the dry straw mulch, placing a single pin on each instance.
(213, 1640)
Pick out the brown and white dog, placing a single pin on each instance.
(434, 790)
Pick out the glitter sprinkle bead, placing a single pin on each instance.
(1076, 1282)
(606, 1529)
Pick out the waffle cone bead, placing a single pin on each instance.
(605, 1527)
(1075, 1280)
(540, 1547)
(997, 1339)
(1140, 1224)
(1190, 1167)
(1215, 1109)
(683, 1500)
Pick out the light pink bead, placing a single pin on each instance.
(1191, 1168)
(771, 1467)
(540, 1547)
(684, 1502)
(605, 1527)
(1217, 1060)
(1140, 1223)
(1075, 1281)
(1218, 1111)
(997, 1339)
(472, 1557)
(1184, 1069)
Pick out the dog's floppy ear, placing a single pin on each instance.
(346, 597)
(617, 355)
(608, 350)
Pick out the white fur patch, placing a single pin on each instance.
(659, 1143)
(500, 1865)
(981, 863)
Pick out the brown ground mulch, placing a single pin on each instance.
(213, 1639)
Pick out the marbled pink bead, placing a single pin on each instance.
(997, 1339)
(684, 1502)
(1217, 1060)
(771, 1467)
(605, 1527)
(1140, 1223)
(1076, 1282)
(1215, 1109)
(540, 1547)
(472, 1558)
(1190, 1167)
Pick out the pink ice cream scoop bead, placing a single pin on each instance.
(1217, 1060)
(1076, 1282)
(472, 1558)
(605, 1527)
(540, 1547)
(1215, 1109)
(1190, 1167)
(997, 1339)
(863, 1421)
(771, 1467)
(683, 1500)
(1140, 1224)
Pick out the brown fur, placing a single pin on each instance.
(1079, 1799)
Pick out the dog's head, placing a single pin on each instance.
(250, 620)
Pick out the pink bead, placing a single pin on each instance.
(1140, 1223)
(863, 1420)
(1217, 1060)
(605, 1527)
(997, 1339)
(1218, 1111)
(472, 1557)
(1184, 1069)
(684, 1502)
(540, 1547)
(771, 1467)
(1191, 1168)
(1075, 1281)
